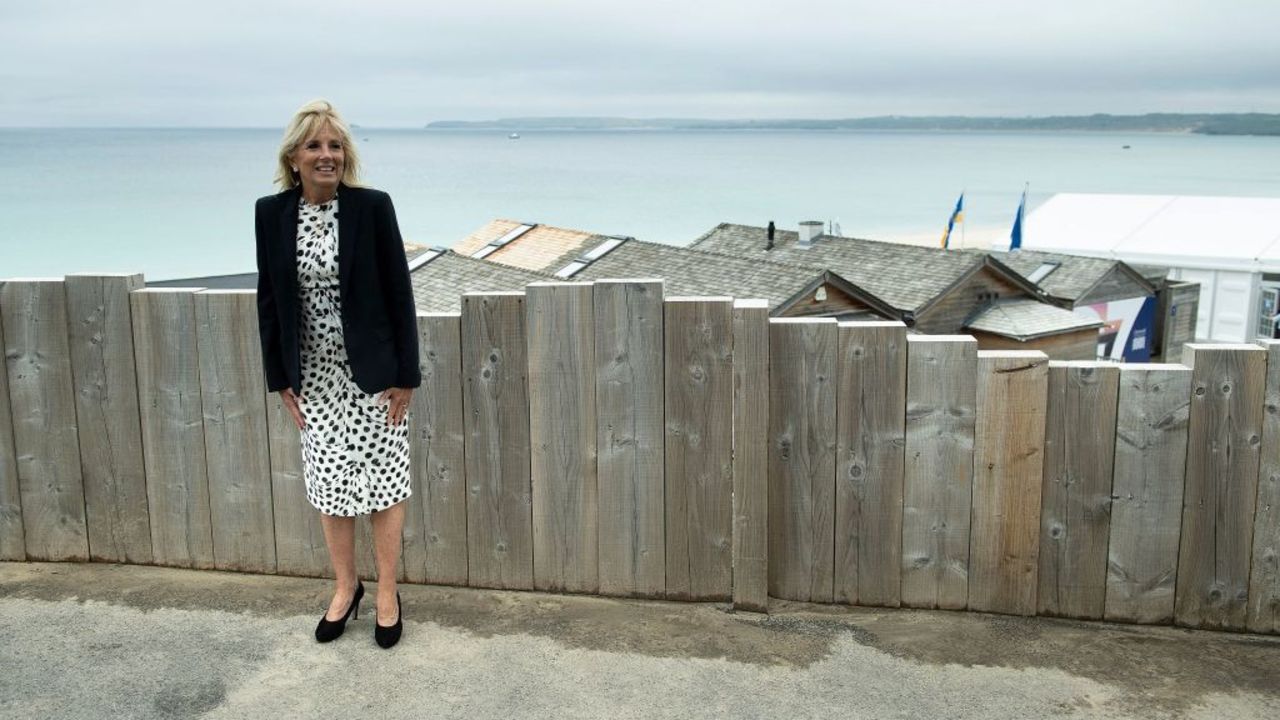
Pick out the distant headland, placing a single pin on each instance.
(1202, 123)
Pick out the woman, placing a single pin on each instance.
(340, 345)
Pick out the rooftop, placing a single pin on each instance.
(908, 277)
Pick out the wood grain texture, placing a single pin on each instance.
(13, 546)
(164, 341)
(300, 543)
(1008, 466)
(560, 319)
(871, 441)
(698, 396)
(232, 389)
(630, 439)
(803, 369)
(751, 455)
(43, 410)
(496, 411)
(1264, 577)
(1224, 436)
(1075, 515)
(435, 530)
(108, 420)
(941, 411)
(1146, 505)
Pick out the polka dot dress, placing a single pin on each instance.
(353, 461)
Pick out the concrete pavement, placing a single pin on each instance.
(100, 640)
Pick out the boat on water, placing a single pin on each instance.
(513, 136)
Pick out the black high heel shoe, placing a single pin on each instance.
(388, 636)
(329, 630)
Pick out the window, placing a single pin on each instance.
(1043, 271)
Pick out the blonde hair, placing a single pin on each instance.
(308, 121)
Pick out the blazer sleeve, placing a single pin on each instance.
(268, 318)
(393, 266)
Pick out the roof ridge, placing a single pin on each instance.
(718, 254)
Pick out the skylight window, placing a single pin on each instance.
(1043, 271)
(507, 237)
(570, 269)
(425, 258)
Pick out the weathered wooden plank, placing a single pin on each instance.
(109, 421)
(698, 393)
(941, 410)
(300, 544)
(435, 535)
(1224, 436)
(366, 554)
(1008, 465)
(44, 418)
(803, 367)
(560, 319)
(751, 454)
(164, 341)
(237, 460)
(871, 441)
(1146, 505)
(630, 438)
(1264, 576)
(12, 543)
(1075, 514)
(496, 405)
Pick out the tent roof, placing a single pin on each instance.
(1197, 231)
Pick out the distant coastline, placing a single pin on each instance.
(1203, 124)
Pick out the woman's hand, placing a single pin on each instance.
(291, 401)
(397, 400)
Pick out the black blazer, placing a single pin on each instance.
(379, 321)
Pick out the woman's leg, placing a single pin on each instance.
(340, 536)
(387, 526)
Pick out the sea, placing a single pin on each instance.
(174, 203)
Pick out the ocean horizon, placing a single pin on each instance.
(178, 202)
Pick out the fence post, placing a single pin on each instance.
(44, 418)
(1224, 436)
(1264, 578)
(803, 385)
(496, 411)
(109, 421)
(164, 340)
(1075, 517)
(871, 441)
(938, 481)
(630, 437)
(435, 530)
(751, 454)
(698, 394)
(1008, 466)
(232, 391)
(1146, 509)
(562, 436)
(13, 546)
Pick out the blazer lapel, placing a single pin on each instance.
(289, 234)
(348, 231)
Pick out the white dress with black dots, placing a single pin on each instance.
(353, 462)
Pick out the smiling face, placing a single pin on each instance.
(320, 161)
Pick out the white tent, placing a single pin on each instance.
(1230, 245)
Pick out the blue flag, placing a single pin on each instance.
(957, 215)
(1015, 242)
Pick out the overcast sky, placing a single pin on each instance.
(403, 63)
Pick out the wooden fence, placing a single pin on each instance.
(600, 438)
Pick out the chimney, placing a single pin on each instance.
(809, 231)
(769, 245)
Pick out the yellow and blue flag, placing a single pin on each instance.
(957, 215)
